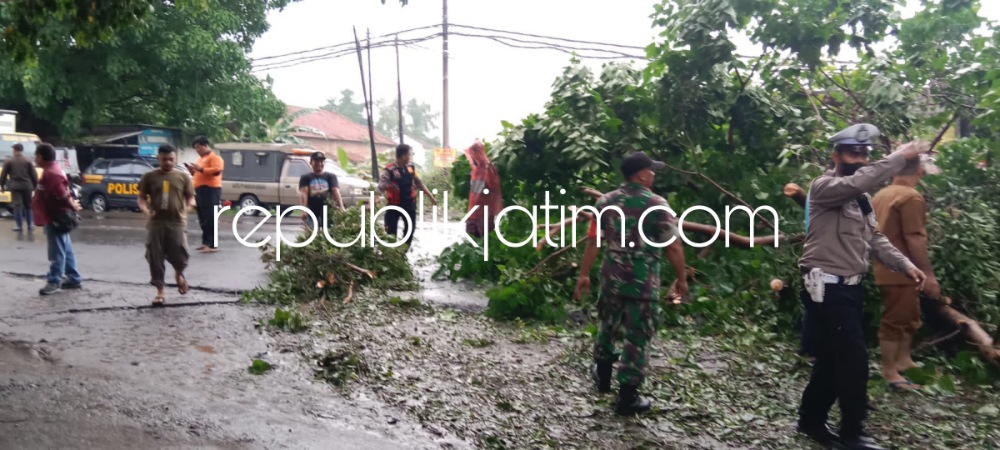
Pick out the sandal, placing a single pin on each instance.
(158, 301)
(898, 385)
(182, 284)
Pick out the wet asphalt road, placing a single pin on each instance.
(98, 368)
(111, 247)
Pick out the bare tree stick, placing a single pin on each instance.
(724, 191)
(553, 255)
(974, 333)
(364, 271)
(937, 139)
(734, 238)
(940, 339)
(350, 293)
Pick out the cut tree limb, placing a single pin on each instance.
(975, 333)
(364, 271)
(350, 293)
(740, 241)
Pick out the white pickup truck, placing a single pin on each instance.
(268, 175)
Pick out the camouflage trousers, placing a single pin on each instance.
(629, 318)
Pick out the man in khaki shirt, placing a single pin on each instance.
(842, 233)
(901, 214)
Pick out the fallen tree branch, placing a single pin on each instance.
(553, 255)
(940, 135)
(350, 293)
(940, 339)
(741, 241)
(364, 271)
(974, 333)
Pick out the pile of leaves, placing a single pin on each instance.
(322, 270)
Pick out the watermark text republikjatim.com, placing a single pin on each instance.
(370, 216)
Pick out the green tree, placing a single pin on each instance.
(418, 117)
(736, 129)
(347, 108)
(181, 64)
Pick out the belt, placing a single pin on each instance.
(834, 279)
(847, 281)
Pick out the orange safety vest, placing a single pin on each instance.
(392, 194)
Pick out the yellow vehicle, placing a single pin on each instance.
(29, 142)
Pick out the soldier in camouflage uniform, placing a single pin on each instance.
(630, 276)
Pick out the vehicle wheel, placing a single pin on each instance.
(249, 201)
(99, 203)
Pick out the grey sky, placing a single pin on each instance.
(488, 82)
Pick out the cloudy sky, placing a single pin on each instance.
(488, 82)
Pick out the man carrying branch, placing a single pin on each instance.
(630, 277)
(842, 232)
(902, 213)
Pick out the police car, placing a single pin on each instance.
(113, 183)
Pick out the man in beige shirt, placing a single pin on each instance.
(902, 214)
(842, 233)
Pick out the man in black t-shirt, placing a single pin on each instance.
(316, 187)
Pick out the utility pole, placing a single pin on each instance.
(368, 105)
(444, 109)
(399, 93)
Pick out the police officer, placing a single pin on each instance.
(842, 232)
(630, 277)
(399, 181)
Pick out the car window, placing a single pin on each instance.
(98, 168)
(297, 168)
(139, 169)
(333, 168)
(120, 168)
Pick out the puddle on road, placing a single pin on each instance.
(431, 240)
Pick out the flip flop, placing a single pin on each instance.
(158, 301)
(182, 285)
(898, 385)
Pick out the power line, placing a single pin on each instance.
(339, 50)
(338, 53)
(546, 45)
(330, 47)
(574, 41)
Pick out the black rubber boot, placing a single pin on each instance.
(601, 371)
(629, 401)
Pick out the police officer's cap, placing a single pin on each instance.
(637, 161)
(857, 134)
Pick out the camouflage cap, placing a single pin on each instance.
(857, 134)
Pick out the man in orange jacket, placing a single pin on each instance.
(207, 174)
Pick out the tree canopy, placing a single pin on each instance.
(418, 117)
(736, 128)
(347, 108)
(174, 63)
